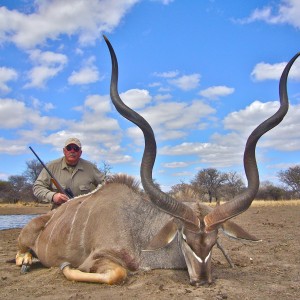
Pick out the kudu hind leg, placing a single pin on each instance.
(102, 272)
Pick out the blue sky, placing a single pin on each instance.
(203, 73)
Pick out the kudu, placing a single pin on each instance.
(101, 236)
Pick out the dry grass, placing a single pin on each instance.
(264, 203)
(260, 203)
(22, 204)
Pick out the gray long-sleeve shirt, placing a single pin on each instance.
(81, 179)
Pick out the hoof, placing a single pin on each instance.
(25, 269)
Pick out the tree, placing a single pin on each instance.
(268, 191)
(233, 185)
(184, 192)
(106, 169)
(5, 191)
(210, 180)
(21, 189)
(17, 182)
(34, 168)
(291, 178)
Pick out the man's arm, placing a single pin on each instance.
(60, 189)
(42, 187)
(42, 190)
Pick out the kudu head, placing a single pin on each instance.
(197, 228)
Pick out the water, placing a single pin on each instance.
(14, 221)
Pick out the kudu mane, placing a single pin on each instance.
(125, 179)
(122, 179)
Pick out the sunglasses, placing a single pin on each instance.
(73, 147)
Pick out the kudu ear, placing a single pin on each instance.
(164, 237)
(233, 230)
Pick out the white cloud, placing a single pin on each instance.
(6, 75)
(12, 147)
(245, 120)
(52, 18)
(172, 120)
(38, 76)
(85, 75)
(94, 124)
(176, 115)
(154, 84)
(164, 2)
(79, 51)
(99, 104)
(182, 175)
(100, 134)
(164, 89)
(214, 154)
(265, 71)
(162, 97)
(215, 92)
(284, 137)
(263, 14)
(46, 106)
(48, 65)
(174, 165)
(170, 74)
(136, 98)
(15, 114)
(287, 11)
(227, 150)
(12, 113)
(47, 58)
(186, 82)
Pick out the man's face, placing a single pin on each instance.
(72, 154)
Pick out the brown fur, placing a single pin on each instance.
(101, 232)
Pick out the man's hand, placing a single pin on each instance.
(59, 198)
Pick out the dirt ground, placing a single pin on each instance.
(269, 269)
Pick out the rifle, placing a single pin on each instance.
(66, 191)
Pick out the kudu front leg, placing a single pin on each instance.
(24, 260)
(219, 245)
(27, 239)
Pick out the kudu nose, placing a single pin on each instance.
(200, 282)
(203, 279)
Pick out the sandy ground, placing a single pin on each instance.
(266, 270)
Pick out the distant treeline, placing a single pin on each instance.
(207, 185)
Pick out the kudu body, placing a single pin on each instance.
(102, 235)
